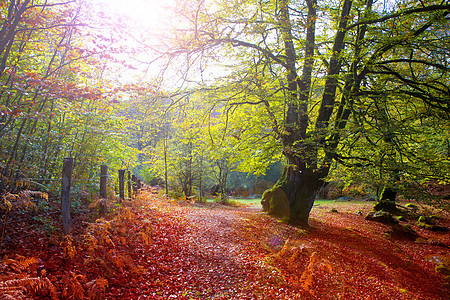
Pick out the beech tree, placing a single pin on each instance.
(310, 65)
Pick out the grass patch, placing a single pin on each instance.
(242, 201)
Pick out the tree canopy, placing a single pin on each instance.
(354, 88)
(344, 84)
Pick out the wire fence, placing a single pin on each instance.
(53, 160)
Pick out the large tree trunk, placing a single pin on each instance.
(293, 196)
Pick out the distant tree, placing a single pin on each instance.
(54, 100)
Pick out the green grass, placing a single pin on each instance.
(318, 203)
(251, 202)
(343, 206)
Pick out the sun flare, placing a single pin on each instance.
(151, 14)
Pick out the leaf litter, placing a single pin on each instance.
(159, 249)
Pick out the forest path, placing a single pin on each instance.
(226, 252)
(215, 257)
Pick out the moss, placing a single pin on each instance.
(411, 206)
(428, 224)
(275, 203)
(388, 194)
(400, 218)
(424, 220)
(386, 205)
(386, 202)
(424, 223)
(443, 269)
(381, 216)
(292, 197)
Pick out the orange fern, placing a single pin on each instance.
(15, 288)
(21, 263)
(69, 249)
(145, 236)
(74, 286)
(96, 288)
(123, 261)
(5, 205)
(27, 194)
(315, 264)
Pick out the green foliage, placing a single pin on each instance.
(54, 100)
(367, 97)
(364, 103)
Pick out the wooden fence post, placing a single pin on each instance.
(122, 184)
(103, 180)
(129, 184)
(139, 184)
(134, 179)
(65, 193)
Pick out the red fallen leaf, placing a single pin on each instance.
(192, 255)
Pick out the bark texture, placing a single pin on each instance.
(292, 197)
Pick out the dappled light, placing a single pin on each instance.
(224, 149)
(162, 249)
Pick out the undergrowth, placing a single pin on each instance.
(103, 246)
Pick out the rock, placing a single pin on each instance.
(428, 224)
(276, 203)
(420, 240)
(412, 207)
(443, 269)
(400, 232)
(381, 216)
(343, 199)
(334, 210)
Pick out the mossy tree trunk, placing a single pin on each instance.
(292, 197)
(386, 202)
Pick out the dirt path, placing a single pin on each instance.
(239, 253)
(214, 261)
(219, 252)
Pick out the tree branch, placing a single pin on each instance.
(404, 60)
(399, 14)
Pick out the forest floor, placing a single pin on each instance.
(157, 249)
